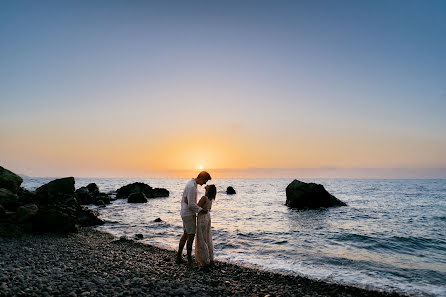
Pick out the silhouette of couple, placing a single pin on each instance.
(197, 220)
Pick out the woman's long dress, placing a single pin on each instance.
(204, 247)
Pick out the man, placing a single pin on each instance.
(189, 210)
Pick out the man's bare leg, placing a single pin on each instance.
(190, 241)
(181, 247)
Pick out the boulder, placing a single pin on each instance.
(137, 198)
(158, 220)
(303, 195)
(104, 197)
(83, 196)
(230, 190)
(26, 212)
(53, 220)
(52, 190)
(93, 189)
(27, 197)
(9, 200)
(158, 192)
(138, 187)
(9, 180)
(139, 236)
(87, 217)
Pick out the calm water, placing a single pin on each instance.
(391, 236)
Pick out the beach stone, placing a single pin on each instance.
(26, 212)
(9, 180)
(137, 198)
(303, 195)
(8, 199)
(230, 190)
(55, 188)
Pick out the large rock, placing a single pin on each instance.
(56, 188)
(158, 192)
(137, 198)
(53, 220)
(137, 187)
(83, 196)
(9, 180)
(93, 188)
(87, 217)
(9, 200)
(303, 195)
(26, 212)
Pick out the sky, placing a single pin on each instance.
(141, 88)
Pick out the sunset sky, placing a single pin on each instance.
(141, 88)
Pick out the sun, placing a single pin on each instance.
(200, 167)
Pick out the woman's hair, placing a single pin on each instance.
(212, 192)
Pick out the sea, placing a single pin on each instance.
(390, 237)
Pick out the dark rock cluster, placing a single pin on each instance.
(91, 195)
(303, 195)
(50, 208)
(138, 188)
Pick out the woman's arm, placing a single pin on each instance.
(202, 201)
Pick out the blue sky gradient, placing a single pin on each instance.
(290, 83)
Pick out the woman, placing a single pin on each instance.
(204, 248)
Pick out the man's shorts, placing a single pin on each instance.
(190, 224)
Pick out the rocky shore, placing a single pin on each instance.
(93, 263)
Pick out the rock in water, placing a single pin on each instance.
(9, 180)
(137, 198)
(137, 187)
(87, 217)
(125, 191)
(230, 190)
(158, 192)
(303, 195)
(93, 188)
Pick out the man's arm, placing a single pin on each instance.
(192, 201)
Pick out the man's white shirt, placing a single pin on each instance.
(190, 195)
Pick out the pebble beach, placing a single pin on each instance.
(94, 263)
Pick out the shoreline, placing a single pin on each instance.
(95, 263)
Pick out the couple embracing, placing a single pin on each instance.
(197, 220)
